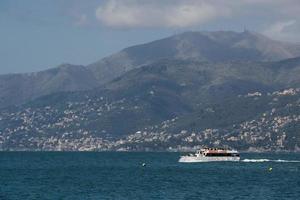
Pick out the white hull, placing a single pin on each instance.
(191, 159)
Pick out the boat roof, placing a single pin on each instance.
(218, 150)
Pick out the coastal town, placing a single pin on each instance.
(49, 129)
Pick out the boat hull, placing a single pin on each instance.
(191, 159)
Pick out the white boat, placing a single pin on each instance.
(210, 155)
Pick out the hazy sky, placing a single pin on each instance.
(40, 34)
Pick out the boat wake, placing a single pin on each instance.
(268, 160)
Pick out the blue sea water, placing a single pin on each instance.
(113, 175)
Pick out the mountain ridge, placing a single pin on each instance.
(219, 46)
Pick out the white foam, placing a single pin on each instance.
(268, 160)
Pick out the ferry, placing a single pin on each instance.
(211, 154)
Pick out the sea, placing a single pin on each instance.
(137, 175)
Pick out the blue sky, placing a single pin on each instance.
(40, 34)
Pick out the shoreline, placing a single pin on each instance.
(138, 151)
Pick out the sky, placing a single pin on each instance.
(40, 34)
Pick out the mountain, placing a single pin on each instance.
(214, 47)
(220, 46)
(162, 105)
(19, 88)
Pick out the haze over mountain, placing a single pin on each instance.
(221, 46)
(19, 88)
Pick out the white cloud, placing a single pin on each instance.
(164, 13)
(194, 13)
(282, 30)
(280, 27)
(187, 13)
